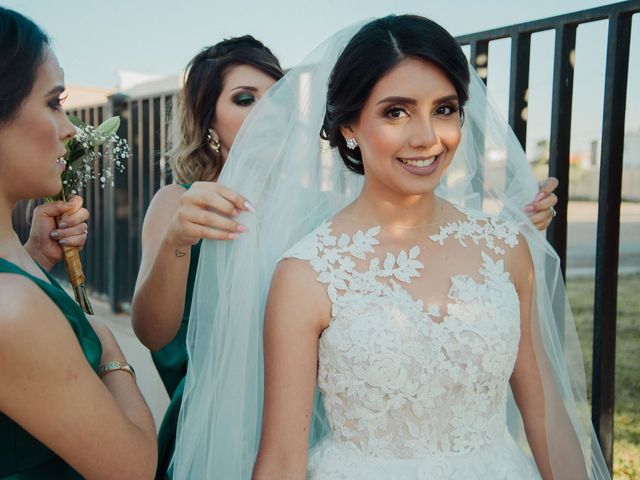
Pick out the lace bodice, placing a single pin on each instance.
(404, 376)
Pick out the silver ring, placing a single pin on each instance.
(553, 212)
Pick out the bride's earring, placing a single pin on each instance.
(352, 143)
(214, 140)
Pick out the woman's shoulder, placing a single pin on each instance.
(308, 247)
(169, 194)
(29, 317)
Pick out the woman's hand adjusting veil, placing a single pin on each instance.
(541, 211)
(206, 210)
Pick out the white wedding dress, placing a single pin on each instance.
(414, 366)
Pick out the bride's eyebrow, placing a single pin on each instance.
(448, 98)
(407, 100)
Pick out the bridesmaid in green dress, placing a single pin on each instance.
(69, 404)
(222, 84)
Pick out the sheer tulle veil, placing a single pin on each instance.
(296, 181)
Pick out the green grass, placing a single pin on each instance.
(626, 449)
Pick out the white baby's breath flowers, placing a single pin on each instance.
(94, 153)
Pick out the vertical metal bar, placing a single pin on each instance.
(89, 253)
(608, 232)
(98, 219)
(519, 84)
(134, 193)
(480, 58)
(170, 102)
(563, 67)
(162, 130)
(143, 174)
(480, 62)
(117, 252)
(153, 165)
(154, 146)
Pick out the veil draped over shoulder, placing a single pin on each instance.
(295, 181)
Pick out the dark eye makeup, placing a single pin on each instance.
(244, 99)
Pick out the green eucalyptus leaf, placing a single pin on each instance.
(109, 126)
(76, 121)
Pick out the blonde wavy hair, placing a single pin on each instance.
(191, 156)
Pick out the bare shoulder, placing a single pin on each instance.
(519, 262)
(295, 284)
(20, 299)
(163, 206)
(168, 197)
(295, 274)
(33, 330)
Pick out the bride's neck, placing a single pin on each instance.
(396, 210)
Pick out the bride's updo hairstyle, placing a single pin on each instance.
(374, 51)
(22, 51)
(191, 157)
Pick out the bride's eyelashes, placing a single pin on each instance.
(447, 110)
(244, 99)
(401, 111)
(395, 111)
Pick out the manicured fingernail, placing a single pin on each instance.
(242, 228)
(54, 234)
(63, 225)
(232, 236)
(540, 196)
(249, 207)
(62, 242)
(528, 209)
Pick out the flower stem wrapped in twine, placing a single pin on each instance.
(76, 277)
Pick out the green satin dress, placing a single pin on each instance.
(171, 362)
(22, 457)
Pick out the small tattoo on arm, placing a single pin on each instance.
(180, 253)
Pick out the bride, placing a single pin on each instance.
(422, 304)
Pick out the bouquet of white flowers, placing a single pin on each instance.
(82, 167)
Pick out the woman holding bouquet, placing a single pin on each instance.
(58, 418)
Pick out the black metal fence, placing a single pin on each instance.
(619, 17)
(112, 253)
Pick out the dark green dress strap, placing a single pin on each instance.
(22, 456)
(171, 362)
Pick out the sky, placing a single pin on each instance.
(93, 40)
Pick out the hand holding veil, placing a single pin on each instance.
(296, 181)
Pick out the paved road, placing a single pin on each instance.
(581, 238)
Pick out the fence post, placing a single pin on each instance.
(116, 219)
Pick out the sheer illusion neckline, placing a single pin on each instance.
(404, 265)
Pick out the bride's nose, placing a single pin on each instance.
(423, 134)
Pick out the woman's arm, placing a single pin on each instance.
(297, 311)
(46, 238)
(102, 428)
(176, 220)
(557, 454)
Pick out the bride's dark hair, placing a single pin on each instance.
(22, 50)
(372, 52)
